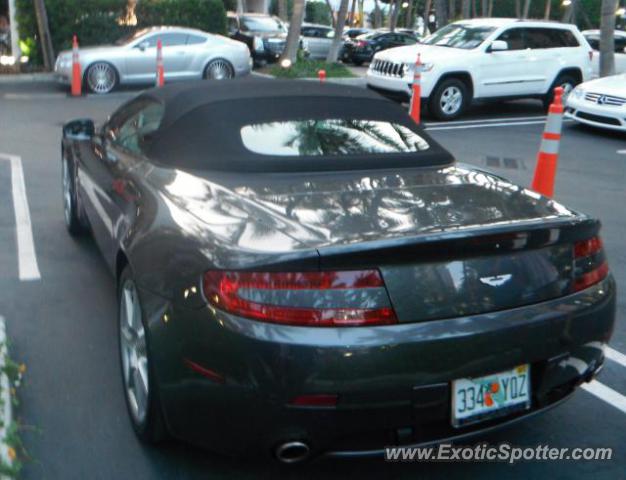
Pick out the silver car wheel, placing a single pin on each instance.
(134, 352)
(101, 77)
(451, 100)
(219, 70)
(67, 191)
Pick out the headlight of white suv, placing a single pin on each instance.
(578, 93)
(257, 43)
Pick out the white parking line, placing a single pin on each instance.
(486, 120)
(606, 394)
(486, 125)
(621, 152)
(616, 356)
(27, 258)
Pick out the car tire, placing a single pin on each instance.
(144, 410)
(218, 69)
(101, 78)
(358, 63)
(74, 218)
(449, 99)
(565, 80)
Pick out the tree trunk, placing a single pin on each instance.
(546, 14)
(427, 16)
(44, 34)
(490, 11)
(466, 9)
(484, 8)
(393, 18)
(441, 13)
(341, 20)
(518, 9)
(293, 37)
(378, 20)
(240, 6)
(408, 18)
(607, 37)
(452, 10)
(526, 8)
(352, 12)
(282, 10)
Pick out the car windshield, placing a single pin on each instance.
(126, 39)
(459, 35)
(262, 24)
(330, 137)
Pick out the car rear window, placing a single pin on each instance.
(550, 38)
(333, 137)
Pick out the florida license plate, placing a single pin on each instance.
(483, 398)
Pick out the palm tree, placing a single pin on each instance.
(546, 15)
(282, 10)
(341, 21)
(441, 13)
(466, 11)
(293, 37)
(607, 37)
(526, 8)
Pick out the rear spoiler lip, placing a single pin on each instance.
(463, 242)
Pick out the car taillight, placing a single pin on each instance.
(590, 55)
(361, 44)
(323, 299)
(590, 265)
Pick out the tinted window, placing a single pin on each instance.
(134, 133)
(261, 24)
(514, 38)
(168, 39)
(594, 41)
(195, 39)
(330, 137)
(233, 25)
(458, 35)
(549, 38)
(407, 39)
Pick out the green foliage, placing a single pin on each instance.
(274, 8)
(317, 12)
(97, 22)
(310, 69)
(208, 15)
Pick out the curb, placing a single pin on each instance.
(27, 78)
(353, 81)
(6, 404)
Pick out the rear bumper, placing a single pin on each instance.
(392, 382)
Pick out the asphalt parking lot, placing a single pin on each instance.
(62, 324)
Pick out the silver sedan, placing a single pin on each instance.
(187, 54)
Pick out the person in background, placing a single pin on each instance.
(5, 35)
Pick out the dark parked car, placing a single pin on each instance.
(355, 32)
(301, 270)
(266, 36)
(362, 48)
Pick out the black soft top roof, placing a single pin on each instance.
(202, 121)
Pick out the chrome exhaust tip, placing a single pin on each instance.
(292, 452)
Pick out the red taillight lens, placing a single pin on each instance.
(325, 299)
(361, 44)
(590, 265)
(590, 55)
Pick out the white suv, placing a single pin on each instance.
(485, 59)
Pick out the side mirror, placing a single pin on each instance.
(498, 46)
(143, 45)
(80, 129)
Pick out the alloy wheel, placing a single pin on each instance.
(451, 100)
(219, 70)
(101, 78)
(134, 352)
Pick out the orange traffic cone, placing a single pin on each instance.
(77, 81)
(322, 75)
(415, 108)
(547, 159)
(160, 76)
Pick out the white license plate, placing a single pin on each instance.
(482, 398)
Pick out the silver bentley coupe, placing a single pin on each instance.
(187, 54)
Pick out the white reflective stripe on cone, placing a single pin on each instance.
(549, 146)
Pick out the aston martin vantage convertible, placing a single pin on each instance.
(302, 271)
